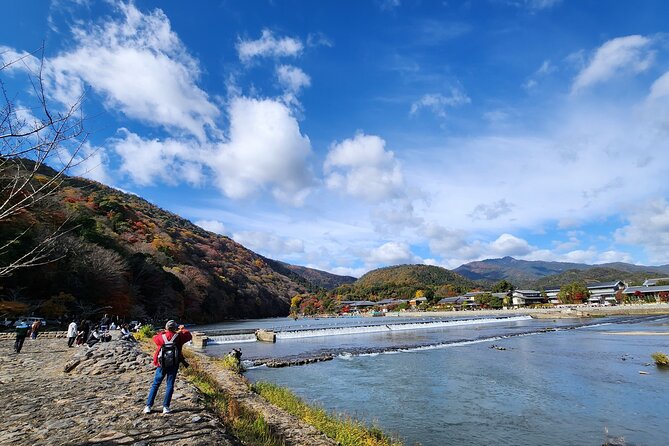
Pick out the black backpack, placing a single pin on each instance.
(168, 357)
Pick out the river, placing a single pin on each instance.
(437, 382)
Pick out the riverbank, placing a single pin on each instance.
(98, 403)
(575, 311)
(55, 395)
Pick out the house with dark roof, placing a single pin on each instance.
(654, 281)
(459, 302)
(657, 292)
(602, 292)
(522, 298)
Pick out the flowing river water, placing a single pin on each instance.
(477, 381)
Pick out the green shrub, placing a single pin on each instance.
(661, 359)
(231, 363)
(145, 332)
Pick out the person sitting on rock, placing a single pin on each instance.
(94, 337)
(126, 335)
(166, 359)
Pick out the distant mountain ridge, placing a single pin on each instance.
(531, 272)
(310, 276)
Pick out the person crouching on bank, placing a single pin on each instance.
(167, 357)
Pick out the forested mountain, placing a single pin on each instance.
(126, 256)
(402, 281)
(526, 273)
(515, 271)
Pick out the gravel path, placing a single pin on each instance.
(99, 402)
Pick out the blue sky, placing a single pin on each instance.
(348, 135)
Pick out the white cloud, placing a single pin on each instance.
(292, 78)
(212, 226)
(660, 87)
(542, 4)
(389, 5)
(363, 168)
(492, 211)
(140, 67)
(92, 163)
(509, 245)
(265, 150)
(392, 253)
(629, 54)
(11, 60)
(648, 227)
(437, 103)
(268, 244)
(395, 216)
(268, 46)
(543, 71)
(148, 160)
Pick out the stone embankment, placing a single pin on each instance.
(292, 430)
(98, 402)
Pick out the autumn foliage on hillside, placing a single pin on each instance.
(124, 256)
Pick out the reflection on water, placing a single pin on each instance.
(554, 387)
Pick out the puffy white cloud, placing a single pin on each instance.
(509, 245)
(437, 103)
(148, 160)
(268, 244)
(292, 78)
(363, 168)
(392, 253)
(140, 67)
(623, 54)
(648, 227)
(268, 46)
(212, 226)
(265, 150)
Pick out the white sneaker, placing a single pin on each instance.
(147, 409)
(166, 410)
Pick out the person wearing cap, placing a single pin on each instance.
(179, 336)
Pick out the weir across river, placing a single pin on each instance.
(235, 336)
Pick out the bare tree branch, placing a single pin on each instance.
(29, 139)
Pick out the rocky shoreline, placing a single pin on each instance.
(54, 395)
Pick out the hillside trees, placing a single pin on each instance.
(575, 292)
(502, 286)
(33, 132)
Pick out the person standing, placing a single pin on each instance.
(35, 329)
(21, 333)
(71, 333)
(167, 366)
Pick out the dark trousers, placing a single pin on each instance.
(161, 374)
(18, 345)
(70, 341)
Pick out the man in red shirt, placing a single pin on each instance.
(171, 335)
